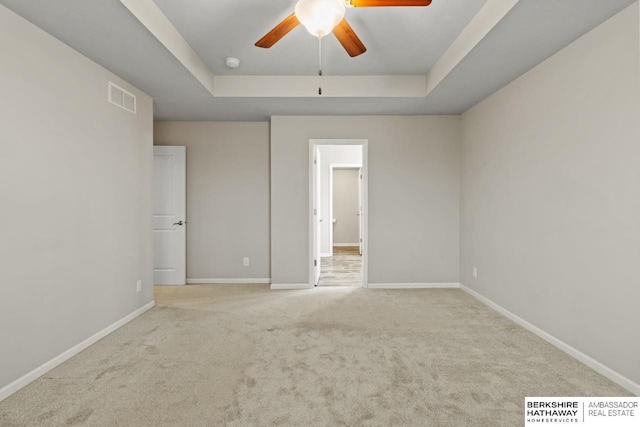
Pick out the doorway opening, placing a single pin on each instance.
(338, 212)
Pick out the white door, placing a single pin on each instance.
(169, 215)
(360, 210)
(317, 219)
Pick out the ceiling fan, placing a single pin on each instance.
(321, 17)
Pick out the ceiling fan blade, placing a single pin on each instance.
(348, 39)
(279, 31)
(389, 3)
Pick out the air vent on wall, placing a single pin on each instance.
(121, 98)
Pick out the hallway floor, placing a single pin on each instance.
(344, 268)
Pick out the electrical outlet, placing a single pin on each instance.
(475, 271)
(245, 261)
(138, 285)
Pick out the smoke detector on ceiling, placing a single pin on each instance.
(232, 62)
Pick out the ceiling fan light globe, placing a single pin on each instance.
(320, 16)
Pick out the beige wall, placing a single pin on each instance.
(75, 180)
(413, 194)
(345, 206)
(227, 196)
(551, 195)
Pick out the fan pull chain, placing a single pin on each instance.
(319, 65)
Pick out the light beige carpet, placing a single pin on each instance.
(242, 355)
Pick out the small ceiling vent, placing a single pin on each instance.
(121, 98)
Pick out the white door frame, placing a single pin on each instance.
(317, 216)
(360, 210)
(365, 202)
(333, 166)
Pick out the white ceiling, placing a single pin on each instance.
(400, 41)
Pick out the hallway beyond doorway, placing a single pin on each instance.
(344, 268)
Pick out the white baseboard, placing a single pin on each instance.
(225, 281)
(602, 369)
(413, 285)
(21, 382)
(289, 286)
(326, 254)
(346, 244)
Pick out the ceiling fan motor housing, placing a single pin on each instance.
(320, 16)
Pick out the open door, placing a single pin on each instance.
(360, 210)
(169, 215)
(317, 220)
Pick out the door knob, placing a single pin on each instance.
(179, 223)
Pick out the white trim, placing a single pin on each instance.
(223, 281)
(346, 244)
(325, 254)
(365, 202)
(600, 368)
(444, 285)
(333, 166)
(291, 286)
(24, 380)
